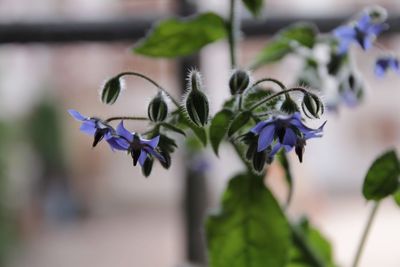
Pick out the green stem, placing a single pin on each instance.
(233, 27)
(365, 234)
(176, 103)
(304, 91)
(280, 84)
(126, 118)
(240, 104)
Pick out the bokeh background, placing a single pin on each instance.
(66, 204)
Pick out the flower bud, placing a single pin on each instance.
(158, 108)
(312, 106)
(238, 82)
(289, 106)
(196, 104)
(111, 90)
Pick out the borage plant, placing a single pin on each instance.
(263, 120)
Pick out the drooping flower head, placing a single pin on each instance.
(385, 63)
(97, 128)
(286, 132)
(364, 32)
(139, 148)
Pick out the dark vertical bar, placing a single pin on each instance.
(195, 196)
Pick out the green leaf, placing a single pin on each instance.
(200, 132)
(219, 127)
(180, 37)
(303, 34)
(238, 122)
(396, 197)
(288, 175)
(254, 6)
(250, 230)
(171, 127)
(382, 178)
(306, 240)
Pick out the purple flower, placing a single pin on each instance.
(363, 32)
(382, 64)
(97, 128)
(139, 148)
(286, 132)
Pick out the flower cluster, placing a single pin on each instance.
(279, 132)
(140, 149)
(385, 63)
(364, 32)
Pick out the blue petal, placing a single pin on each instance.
(367, 43)
(290, 138)
(117, 143)
(275, 150)
(266, 137)
(345, 32)
(377, 29)
(380, 68)
(364, 22)
(76, 115)
(259, 126)
(153, 142)
(316, 133)
(122, 131)
(142, 157)
(88, 127)
(344, 46)
(154, 153)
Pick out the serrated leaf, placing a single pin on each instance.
(250, 230)
(382, 178)
(180, 37)
(396, 197)
(171, 127)
(254, 6)
(238, 122)
(307, 236)
(219, 127)
(285, 40)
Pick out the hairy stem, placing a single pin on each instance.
(127, 118)
(233, 28)
(259, 103)
(176, 103)
(280, 84)
(364, 236)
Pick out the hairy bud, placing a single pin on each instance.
(111, 90)
(158, 108)
(196, 103)
(312, 106)
(239, 82)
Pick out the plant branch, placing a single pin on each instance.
(299, 89)
(365, 234)
(280, 84)
(126, 118)
(233, 28)
(176, 103)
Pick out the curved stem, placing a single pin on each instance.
(176, 103)
(126, 118)
(233, 26)
(299, 89)
(365, 234)
(280, 84)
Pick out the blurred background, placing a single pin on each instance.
(63, 203)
